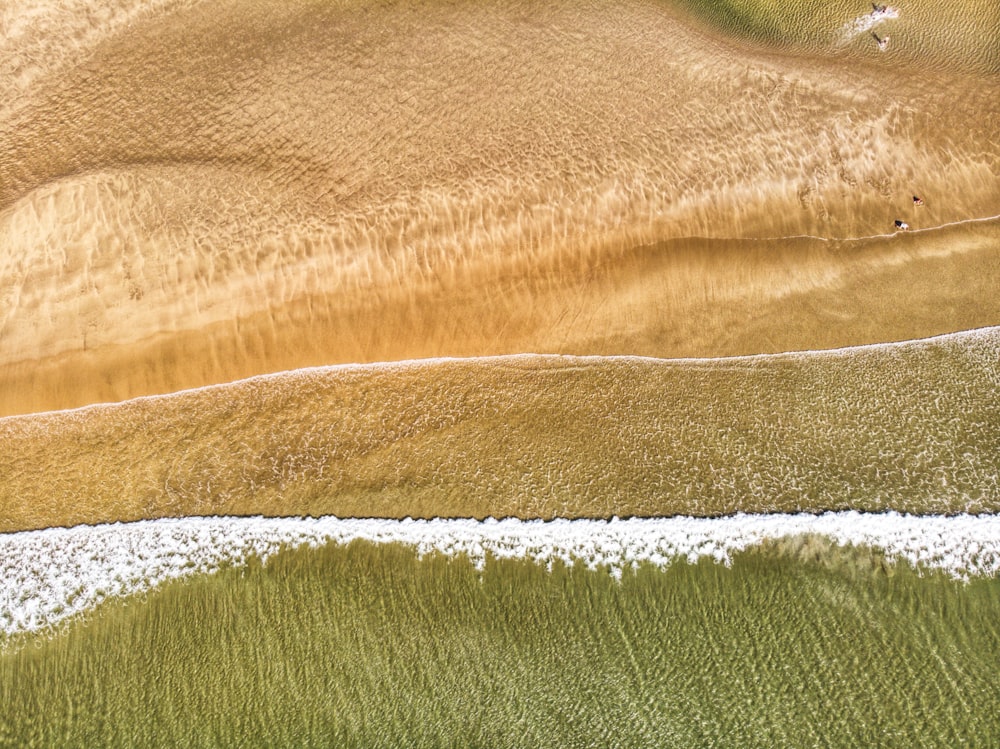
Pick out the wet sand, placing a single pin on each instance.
(190, 195)
(675, 299)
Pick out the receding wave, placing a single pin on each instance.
(910, 427)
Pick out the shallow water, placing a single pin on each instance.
(910, 426)
(925, 36)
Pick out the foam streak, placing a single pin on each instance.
(922, 230)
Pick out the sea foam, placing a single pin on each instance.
(52, 574)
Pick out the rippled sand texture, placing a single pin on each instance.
(910, 427)
(192, 193)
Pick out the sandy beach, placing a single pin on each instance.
(499, 373)
(192, 193)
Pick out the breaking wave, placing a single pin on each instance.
(50, 575)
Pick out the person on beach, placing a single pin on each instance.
(879, 8)
(882, 43)
(901, 225)
(917, 201)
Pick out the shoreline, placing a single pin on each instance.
(987, 332)
(680, 299)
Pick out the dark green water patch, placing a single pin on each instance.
(959, 36)
(759, 19)
(368, 646)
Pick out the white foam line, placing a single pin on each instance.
(53, 574)
(888, 235)
(975, 334)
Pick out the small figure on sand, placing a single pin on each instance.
(879, 8)
(901, 225)
(917, 201)
(882, 42)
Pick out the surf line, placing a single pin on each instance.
(49, 575)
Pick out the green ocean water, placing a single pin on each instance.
(798, 644)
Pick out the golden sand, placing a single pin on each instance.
(193, 193)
